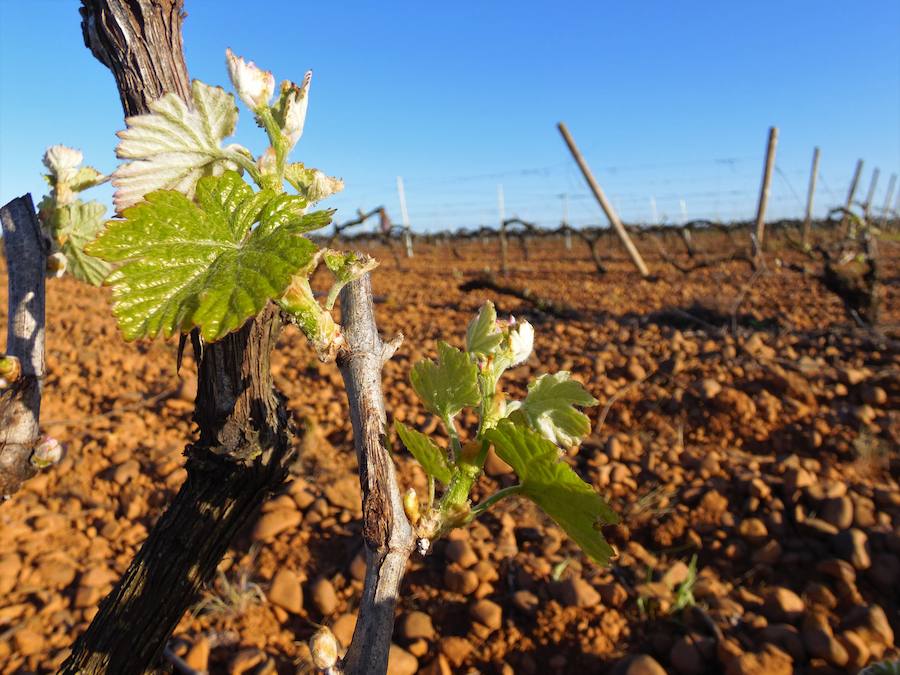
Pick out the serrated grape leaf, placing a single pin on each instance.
(186, 266)
(549, 408)
(173, 146)
(77, 225)
(448, 386)
(555, 487)
(429, 455)
(483, 336)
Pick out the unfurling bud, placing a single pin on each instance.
(63, 162)
(253, 85)
(49, 451)
(411, 506)
(521, 341)
(324, 649)
(292, 106)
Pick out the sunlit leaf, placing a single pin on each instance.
(555, 487)
(483, 335)
(77, 226)
(429, 455)
(192, 264)
(174, 145)
(448, 386)
(550, 408)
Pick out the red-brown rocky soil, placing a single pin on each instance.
(743, 420)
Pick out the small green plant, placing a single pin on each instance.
(232, 593)
(684, 592)
(870, 449)
(655, 599)
(530, 435)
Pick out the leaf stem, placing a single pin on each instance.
(430, 503)
(276, 138)
(454, 437)
(248, 165)
(493, 499)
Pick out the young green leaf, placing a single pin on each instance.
(77, 225)
(430, 456)
(549, 408)
(483, 336)
(174, 145)
(190, 264)
(555, 487)
(448, 386)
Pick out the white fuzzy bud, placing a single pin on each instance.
(48, 451)
(254, 85)
(296, 102)
(63, 161)
(521, 341)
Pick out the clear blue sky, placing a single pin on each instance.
(670, 100)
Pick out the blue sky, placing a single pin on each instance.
(667, 100)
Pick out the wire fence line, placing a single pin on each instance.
(668, 192)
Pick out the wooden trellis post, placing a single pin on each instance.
(871, 193)
(892, 183)
(810, 195)
(404, 214)
(764, 189)
(851, 193)
(565, 221)
(604, 203)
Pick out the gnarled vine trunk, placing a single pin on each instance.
(244, 448)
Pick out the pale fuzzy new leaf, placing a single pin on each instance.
(311, 183)
(77, 225)
(186, 267)
(555, 487)
(550, 408)
(87, 177)
(173, 146)
(290, 109)
(483, 335)
(448, 386)
(432, 459)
